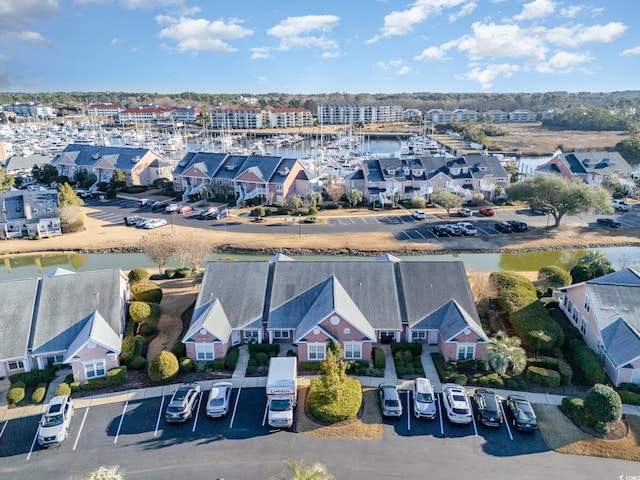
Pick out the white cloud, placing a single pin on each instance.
(115, 42)
(486, 76)
(199, 34)
(536, 9)
(294, 32)
(16, 18)
(579, 34)
(632, 51)
(260, 52)
(31, 37)
(466, 10)
(564, 62)
(502, 41)
(404, 71)
(382, 66)
(431, 54)
(331, 55)
(132, 4)
(401, 22)
(263, 80)
(571, 11)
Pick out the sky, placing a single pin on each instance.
(311, 46)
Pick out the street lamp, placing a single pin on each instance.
(299, 225)
(548, 213)
(540, 335)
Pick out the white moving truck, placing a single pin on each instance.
(282, 391)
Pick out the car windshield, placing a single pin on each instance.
(216, 402)
(176, 409)
(180, 395)
(392, 403)
(526, 411)
(424, 397)
(280, 405)
(52, 420)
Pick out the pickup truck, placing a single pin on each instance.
(620, 205)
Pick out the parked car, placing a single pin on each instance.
(184, 209)
(503, 227)
(487, 406)
(487, 212)
(132, 220)
(620, 205)
(453, 230)
(518, 226)
(419, 215)
(467, 228)
(456, 403)
(221, 214)
(142, 222)
(218, 403)
(609, 222)
(522, 415)
(145, 202)
(159, 205)
(154, 223)
(172, 207)
(54, 424)
(465, 212)
(440, 231)
(541, 209)
(389, 400)
(424, 404)
(182, 401)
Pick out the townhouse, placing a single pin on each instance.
(29, 214)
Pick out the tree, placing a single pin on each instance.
(159, 247)
(602, 405)
(191, 247)
(45, 174)
(597, 264)
(6, 180)
(554, 276)
(562, 195)
(163, 367)
(354, 196)
(314, 199)
(66, 196)
(118, 179)
(334, 370)
(447, 200)
(299, 471)
(106, 473)
(333, 187)
(295, 202)
(505, 355)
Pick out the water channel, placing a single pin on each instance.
(25, 266)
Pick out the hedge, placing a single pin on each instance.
(261, 358)
(309, 366)
(144, 312)
(574, 407)
(518, 297)
(138, 275)
(554, 276)
(358, 367)
(543, 376)
(587, 362)
(218, 365)
(16, 393)
(163, 367)
(131, 348)
(116, 375)
(74, 386)
(34, 377)
(231, 359)
(379, 359)
(629, 397)
(138, 363)
(186, 364)
(263, 347)
(344, 407)
(39, 393)
(563, 368)
(63, 389)
(146, 292)
(414, 348)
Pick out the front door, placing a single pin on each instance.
(235, 337)
(432, 337)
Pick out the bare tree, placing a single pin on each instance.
(159, 247)
(199, 250)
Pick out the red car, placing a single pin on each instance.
(184, 208)
(487, 212)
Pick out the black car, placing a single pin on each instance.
(541, 209)
(440, 231)
(522, 415)
(518, 226)
(487, 406)
(609, 222)
(503, 227)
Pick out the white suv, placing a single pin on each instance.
(419, 215)
(620, 205)
(424, 404)
(456, 403)
(54, 425)
(467, 228)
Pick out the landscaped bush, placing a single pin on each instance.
(34, 377)
(138, 275)
(186, 365)
(554, 276)
(261, 358)
(358, 367)
(138, 363)
(629, 397)
(587, 362)
(518, 297)
(163, 367)
(574, 407)
(251, 369)
(131, 348)
(252, 362)
(491, 380)
(38, 394)
(309, 367)
(556, 364)
(110, 194)
(116, 375)
(602, 405)
(414, 348)
(170, 273)
(218, 365)
(63, 389)
(344, 407)
(543, 376)
(74, 386)
(379, 360)
(183, 272)
(631, 387)
(94, 384)
(16, 393)
(146, 292)
(231, 359)
(148, 329)
(263, 347)
(144, 312)
(179, 349)
(511, 384)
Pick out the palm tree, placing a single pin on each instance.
(597, 263)
(299, 471)
(504, 354)
(106, 473)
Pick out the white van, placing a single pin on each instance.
(424, 404)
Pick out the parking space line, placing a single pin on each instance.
(235, 407)
(266, 409)
(475, 427)
(4, 425)
(33, 444)
(124, 410)
(408, 412)
(506, 423)
(418, 232)
(195, 420)
(440, 416)
(407, 235)
(81, 425)
(155, 432)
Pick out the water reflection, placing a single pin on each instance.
(44, 262)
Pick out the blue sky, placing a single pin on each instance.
(309, 46)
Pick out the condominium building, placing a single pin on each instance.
(29, 110)
(236, 118)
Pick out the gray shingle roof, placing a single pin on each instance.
(211, 317)
(118, 157)
(95, 330)
(17, 300)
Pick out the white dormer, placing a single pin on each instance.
(135, 159)
(390, 171)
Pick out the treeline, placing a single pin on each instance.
(596, 119)
(626, 101)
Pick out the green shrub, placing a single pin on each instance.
(186, 365)
(163, 367)
(251, 369)
(146, 292)
(231, 358)
(219, 364)
(631, 387)
(16, 393)
(94, 384)
(252, 362)
(116, 375)
(358, 367)
(628, 397)
(34, 377)
(543, 376)
(556, 364)
(309, 367)
(602, 404)
(511, 384)
(554, 276)
(379, 360)
(74, 386)
(170, 273)
(344, 407)
(131, 348)
(179, 349)
(148, 329)
(200, 366)
(263, 347)
(38, 394)
(138, 363)
(130, 328)
(261, 358)
(414, 348)
(63, 389)
(574, 407)
(587, 362)
(459, 378)
(183, 272)
(491, 380)
(144, 312)
(111, 194)
(138, 275)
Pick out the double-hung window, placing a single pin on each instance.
(353, 350)
(466, 351)
(204, 351)
(94, 369)
(316, 351)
